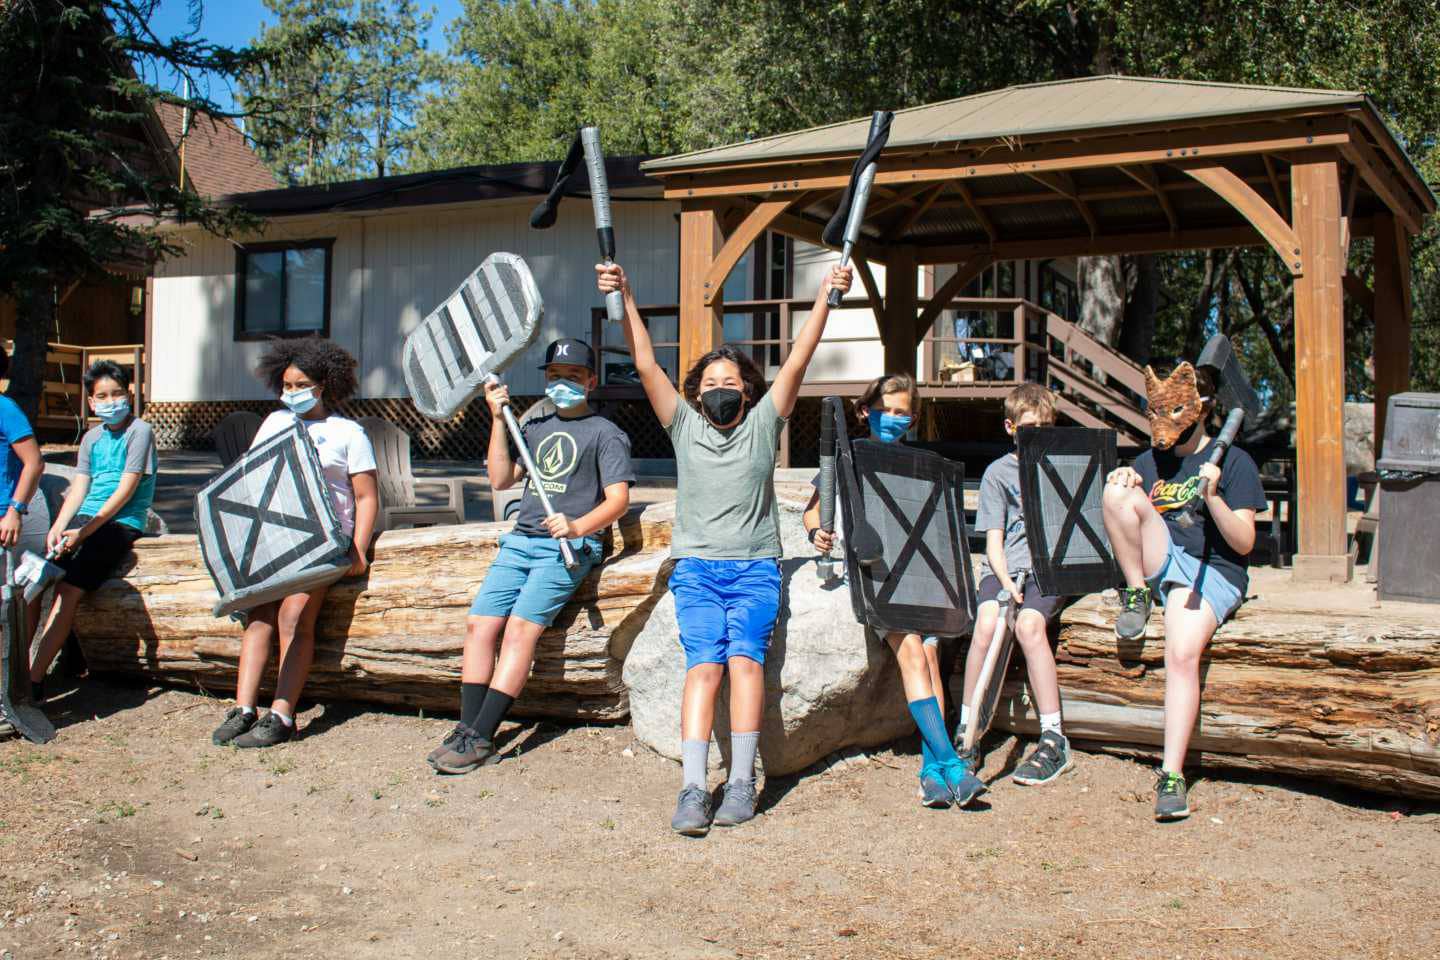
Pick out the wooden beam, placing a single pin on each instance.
(1392, 313)
(986, 223)
(1223, 141)
(901, 296)
(897, 230)
(808, 230)
(896, 198)
(1382, 180)
(1282, 196)
(1252, 207)
(872, 290)
(1097, 246)
(1064, 184)
(700, 316)
(1147, 178)
(1319, 375)
(949, 290)
(741, 239)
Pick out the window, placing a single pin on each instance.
(1058, 293)
(282, 289)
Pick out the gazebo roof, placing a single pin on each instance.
(1072, 166)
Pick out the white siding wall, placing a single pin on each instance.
(390, 269)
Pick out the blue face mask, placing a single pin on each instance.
(113, 411)
(887, 427)
(565, 393)
(300, 401)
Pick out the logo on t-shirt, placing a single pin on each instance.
(1167, 495)
(555, 460)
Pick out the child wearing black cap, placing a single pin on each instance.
(584, 464)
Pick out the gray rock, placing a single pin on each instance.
(828, 687)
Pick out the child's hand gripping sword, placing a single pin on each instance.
(534, 475)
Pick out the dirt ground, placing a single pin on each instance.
(132, 837)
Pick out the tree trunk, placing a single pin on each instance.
(396, 636)
(1102, 297)
(34, 310)
(1303, 683)
(1137, 332)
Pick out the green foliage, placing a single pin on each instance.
(340, 111)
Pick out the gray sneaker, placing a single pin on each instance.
(451, 739)
(1050, 758)
(467, 752)
(1172, 801)
(739, 803)
(1134, 613)
(692, 812)
(237, 721)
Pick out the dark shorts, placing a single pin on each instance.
(1047, 606)
(99, 556)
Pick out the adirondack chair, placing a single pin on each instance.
(398, 508)
(506, 503)
(234, 435)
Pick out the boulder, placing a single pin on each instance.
(828, 685)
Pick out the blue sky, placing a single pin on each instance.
(235, 22)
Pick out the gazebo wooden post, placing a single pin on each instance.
(901, 303)
(1319, 372)
(1391, 316)
(700, 312)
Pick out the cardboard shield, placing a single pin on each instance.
(267, 527)
(488, 321)
(1062, 480)
(913, 501)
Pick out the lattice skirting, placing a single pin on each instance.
(189, 426)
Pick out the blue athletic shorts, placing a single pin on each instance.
(528, 579)
(1182, 570)
(725, 608)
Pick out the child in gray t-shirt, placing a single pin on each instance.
(1001, 516)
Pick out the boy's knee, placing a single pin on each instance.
(1117, 499)
(1031, 631)
(910, 652)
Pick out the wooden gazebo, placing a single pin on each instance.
(1106, 165)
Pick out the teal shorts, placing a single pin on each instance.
(528, 579)
(1182, 570)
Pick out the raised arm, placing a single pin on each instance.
(658, 388)
(787, 382)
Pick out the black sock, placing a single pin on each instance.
(497, 704)
(472, 696)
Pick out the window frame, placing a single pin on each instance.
(242, 253)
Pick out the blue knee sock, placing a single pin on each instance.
(935, 744)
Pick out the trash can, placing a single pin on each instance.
(1409, 470)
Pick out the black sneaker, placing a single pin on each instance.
(1050, 758)
(268, 731)
(466, 753)
(1171, 799)
(1134, 613)
(237, 721)
(451, 739)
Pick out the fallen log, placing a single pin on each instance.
(395, 636)
(1324, 685)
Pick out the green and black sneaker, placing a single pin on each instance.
(1171, 800)
(1134, 613)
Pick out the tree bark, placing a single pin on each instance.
(394, 637)
(1299, 683)
(1102, 297)
(1137, 331)
(34, 306)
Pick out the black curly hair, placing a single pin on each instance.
(750, 374)
(324, 361)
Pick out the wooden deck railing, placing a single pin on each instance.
(62, 400)
(1096, 386)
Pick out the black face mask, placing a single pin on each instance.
(722, 405)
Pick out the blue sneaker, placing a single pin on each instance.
(965, 786)
(934, 791)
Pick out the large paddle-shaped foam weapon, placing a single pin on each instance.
(586, 144)
(1233, 394)
(850, 212)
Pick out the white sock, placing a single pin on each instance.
(287, 720)
(1050, 722)
(248, 711)
(965, 715)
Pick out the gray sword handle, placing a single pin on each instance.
(853, 224)
(1231, 429)
(534, 475)
(604, 224)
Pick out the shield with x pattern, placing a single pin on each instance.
(1062, 480)
(267, 526)
(912, 500)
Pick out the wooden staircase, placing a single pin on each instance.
(1095, 386)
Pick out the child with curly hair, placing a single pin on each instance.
(312, 377)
